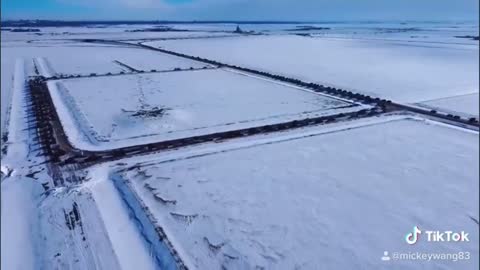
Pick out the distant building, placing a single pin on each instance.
(238, 30)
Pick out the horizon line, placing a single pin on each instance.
(233, 21)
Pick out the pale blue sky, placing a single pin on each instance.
(298, 10)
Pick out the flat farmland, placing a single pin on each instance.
(137, 108)
(219, 149)
(464, 104)
(72, 59)
(402, 71)
(311, 200)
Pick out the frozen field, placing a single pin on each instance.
(409, 34)
(333, 196)
(101, 60)
(7, 67)
(71, 57)
(66, 57)
(181, 104)
(78, 58)
(63, 228)
(464, 104)
(113, 33)
(404, 72)
(313, 202)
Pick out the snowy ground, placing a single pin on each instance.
(331, 197)
(420, 34)
(112, 33)
(103, 59)
(463, 104)
(58, 228)
(7, 65)
(194, 102)
(292, 203)
(71, 57)
(19, 200)
(402, 71)
(85, 59)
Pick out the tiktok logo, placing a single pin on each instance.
(412, 237)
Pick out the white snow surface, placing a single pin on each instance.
(195, 102)
(80, 244)
(464, 104)
(74, 58)
(35, 234)
(129, 247)
(101, 59)
(330, 197)
(314, 202)
(110, 32)
(404, 72)
(7, 66)
(20, 197)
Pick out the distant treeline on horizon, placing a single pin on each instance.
(40, 23)
(57, 23)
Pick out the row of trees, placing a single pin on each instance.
(64, 76)
(471, 120)
(122, 152)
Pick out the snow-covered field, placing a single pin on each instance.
(102, 60)
(405, 71)
(7, 65)
(334, 196)
(113, 33)
(315, 201)
(463, 104)
(420, 34)
(19, 213)
(47, 227)
(188, 103)
(85, 59)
